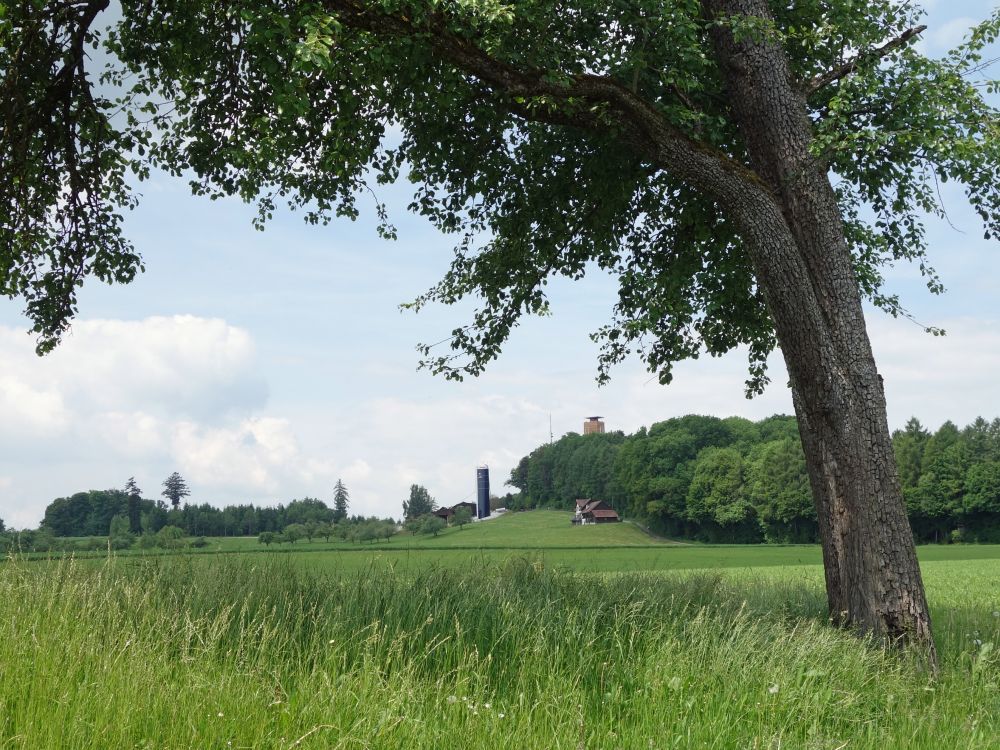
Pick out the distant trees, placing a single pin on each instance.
(341, 500)
(90, 513)
(85, 513)
(266, 538)
(419, 504)
(175, 489)
(733, 480)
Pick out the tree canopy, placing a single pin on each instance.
(420, 503)
(733, 480)
(175, 489)
(517, 124)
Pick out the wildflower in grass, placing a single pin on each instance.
(220, 714)
(451, 699)
(996, 612)
(486, 705)
(501, 715)
(773, 690)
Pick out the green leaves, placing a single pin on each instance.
(312, 103)
(63, 185)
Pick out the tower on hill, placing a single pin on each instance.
(593, 426)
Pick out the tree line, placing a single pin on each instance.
(91, 513)
(734, 480)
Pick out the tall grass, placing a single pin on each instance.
(265, 654)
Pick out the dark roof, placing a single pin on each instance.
(603, 513)
(595, 504)
(444, 512)
(583, 502)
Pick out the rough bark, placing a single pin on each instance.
(872, 576)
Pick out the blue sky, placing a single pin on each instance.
(264, 366)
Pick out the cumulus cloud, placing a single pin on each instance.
(177, 365)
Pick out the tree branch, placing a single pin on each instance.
(842, 71)
(644, 125)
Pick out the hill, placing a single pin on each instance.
(534, 529)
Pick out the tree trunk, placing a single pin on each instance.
(872, 576)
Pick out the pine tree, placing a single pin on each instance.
(341, 499)
(175, 488)
(134, 499)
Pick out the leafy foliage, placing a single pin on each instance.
(175, 489)
(732, 480)
(419, 504)
(341, 501)
(507, 119)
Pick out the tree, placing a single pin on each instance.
(432, 525)
(174, 489)
(293, 532)
(778, 487)
(341, 501)
(420, 503)
(266, 538)
(134, 505)
(716, 493)
(120, 532)
(462, 516)
(387, 529)
(170, 537)
(325, 530)
(688, 148)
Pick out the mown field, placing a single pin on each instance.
(545, 536)
(499, 646)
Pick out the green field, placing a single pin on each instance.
(502, 642)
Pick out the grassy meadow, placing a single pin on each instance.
(507, 645)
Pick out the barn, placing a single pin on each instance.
(594, 511)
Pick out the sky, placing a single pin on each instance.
(263, 366)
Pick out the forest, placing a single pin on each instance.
(737, 481)
(91, 513)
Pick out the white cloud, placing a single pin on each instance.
(939, 378)
(174, 365)
(258, 456)
(29, 410)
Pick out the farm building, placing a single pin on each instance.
(446, 513)
(594, 511)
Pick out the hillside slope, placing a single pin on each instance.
(533, 529)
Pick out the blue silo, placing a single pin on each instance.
(483, 492)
